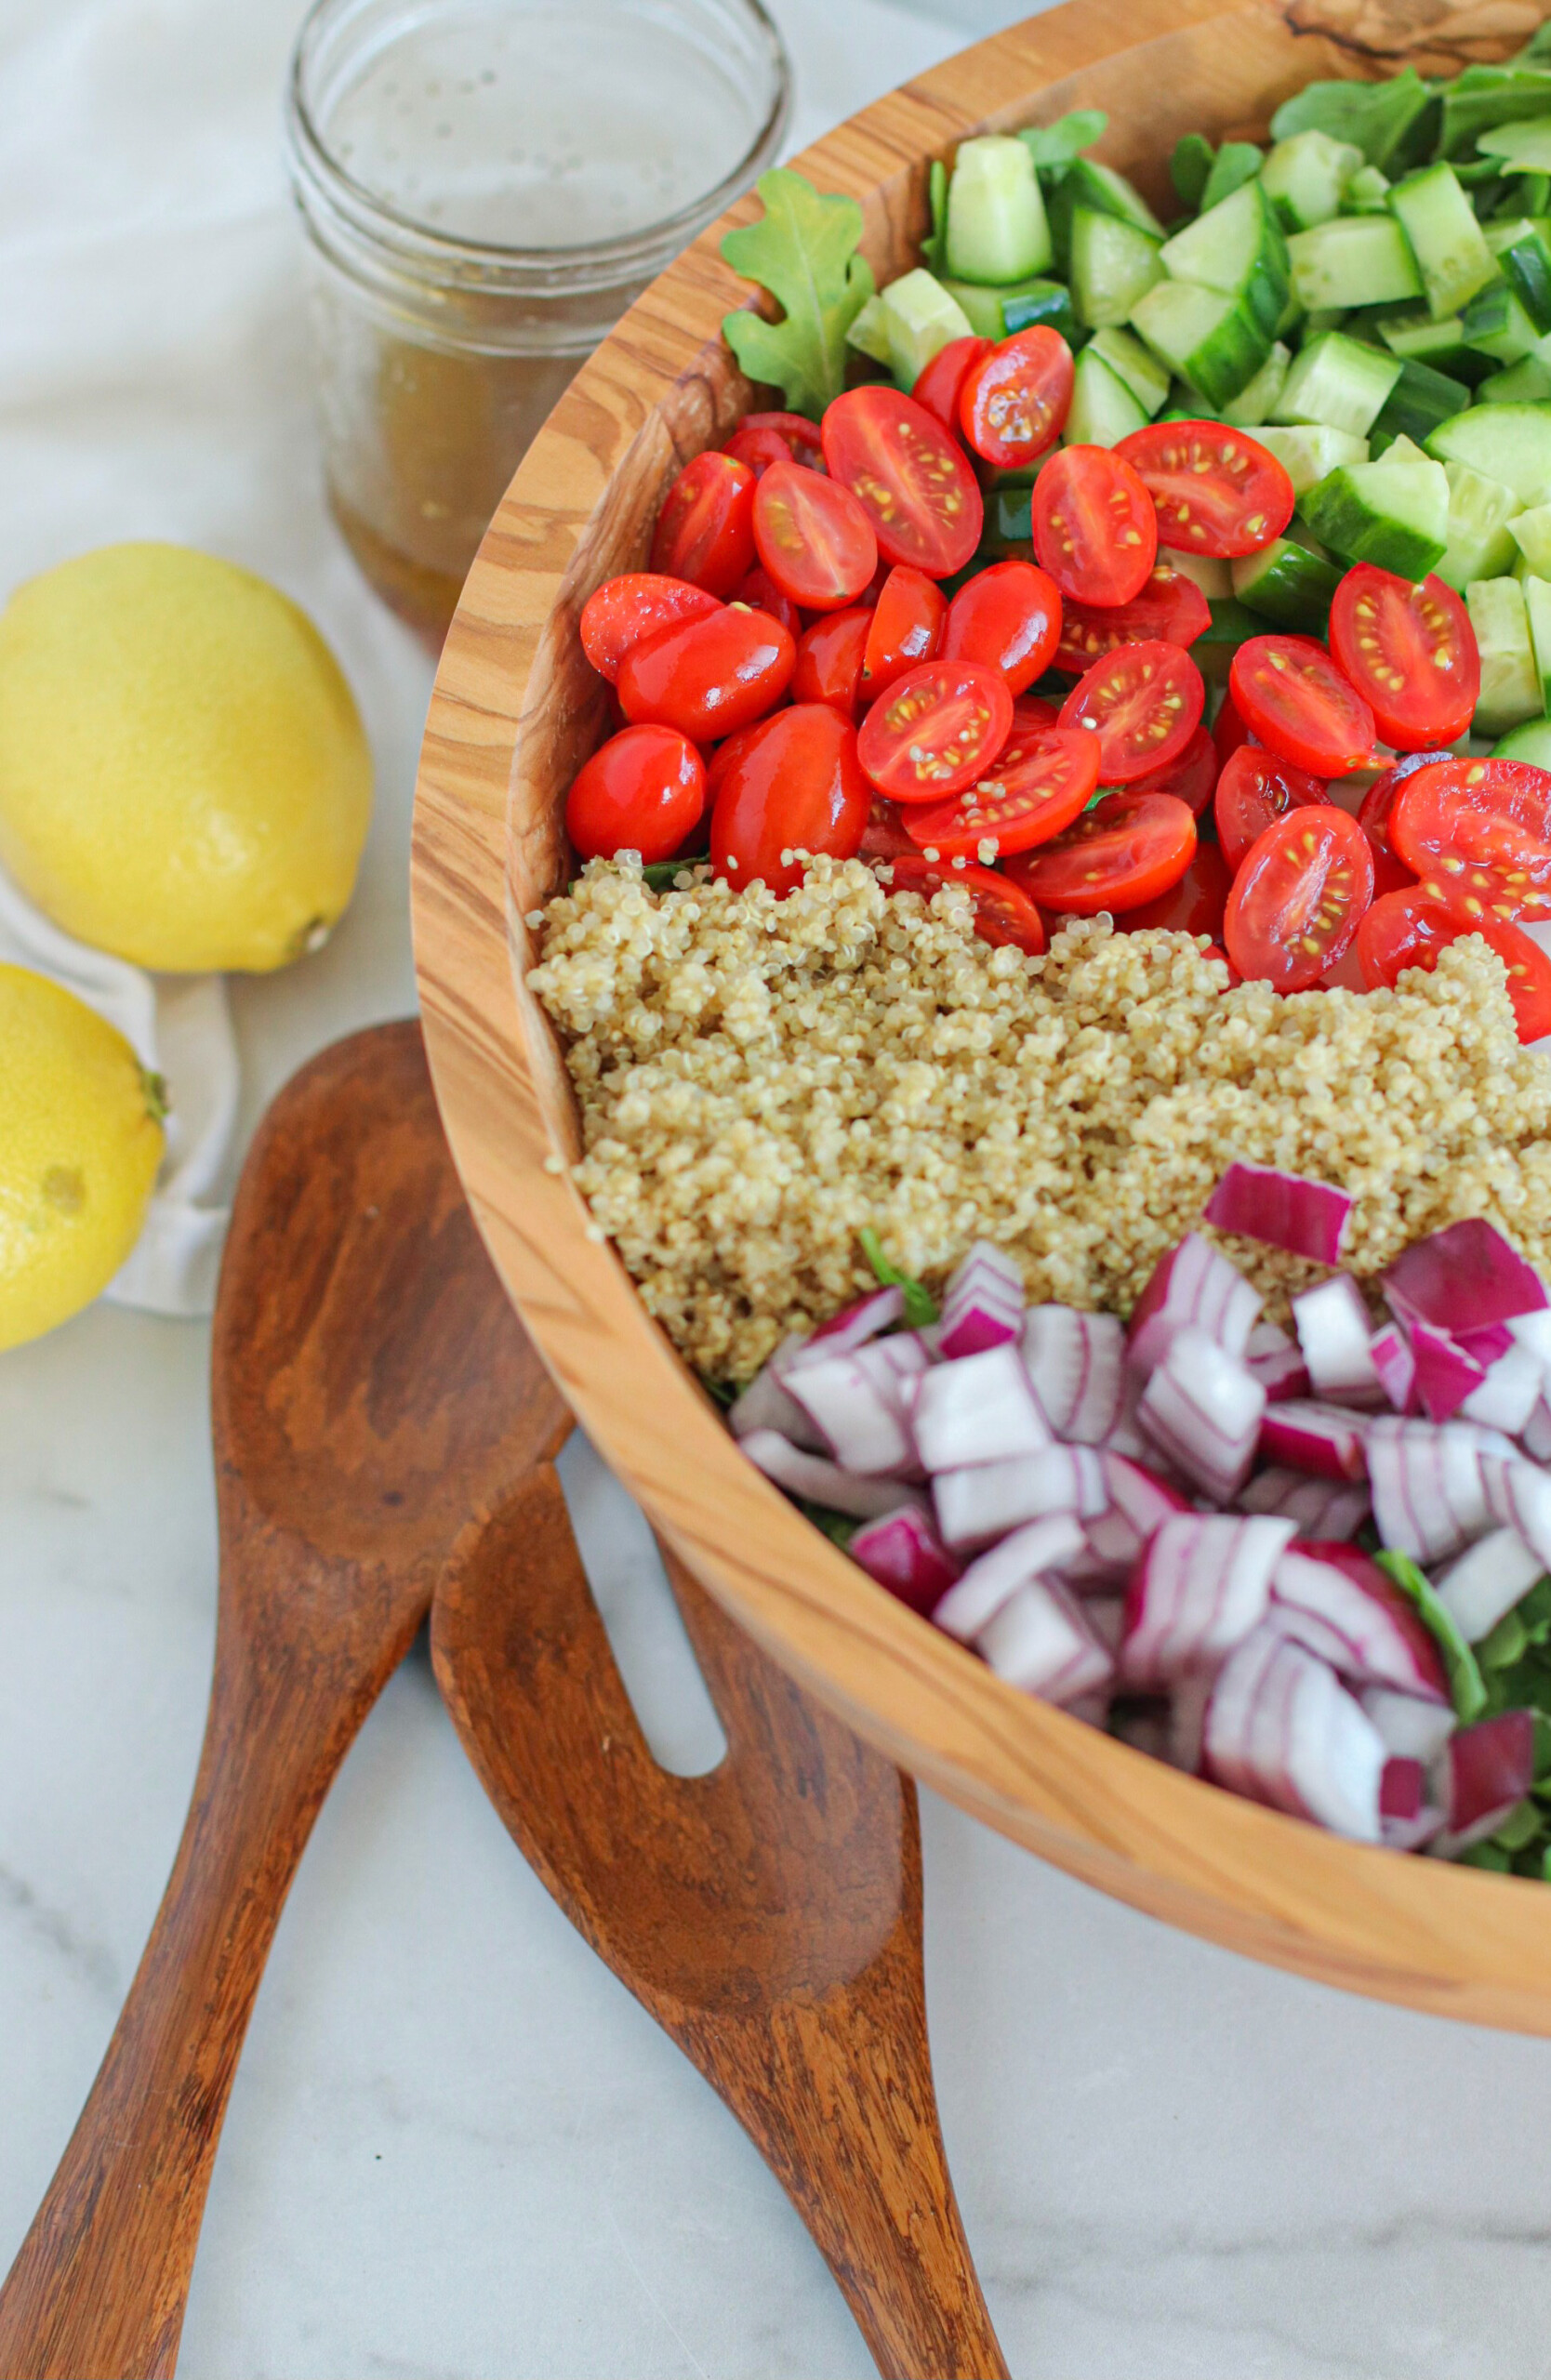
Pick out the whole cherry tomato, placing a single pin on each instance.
(1292, 696)
(1217, 492)
(760, 592)
(642, 792)
(812, 536)
(1405, 929)
(762, 438)
(830, 656)
(937, 730)
(938, 387)
(884, 835)
(1038, 786)
(1094, 529)
(623, 610)
(913, 480)
(1009, 619)
(1192, 778)
(1129, 848)
(1031, 712)
(1144, 702)
(705, 530)
(1410, 654)
(795, 785)
(906, 628)
(1015, 402)
(1170, 607)
(1254, 787)
(1228, 730)
(1003, 914)
(1298, 897)
(708, 677)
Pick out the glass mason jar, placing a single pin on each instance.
(486, 185)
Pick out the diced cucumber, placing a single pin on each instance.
(1528, 382)
(1438, 220)
(1480, 512)
(1508, 443)
(1204, 335)
(1322, 319)
(1524, 261)
(1135, 363)
(1496, 324)
(869, 332)
(1510, 689)
(1293, 317)
(1353, 260)
(1213, 577)
(994, 313)
(1394, 514)
(1085, 183)
(1305, 177)
(1518, 148)
(1416, 339)
(1112, 264)
(1289, 582)
(1233, 624)
(1239, 249)
(921, 318)
(1368, 191)
(997, 230)
(1251, 406)
(1531, 533)
(1419, 400)
(1340, 382)
(1537, 608)
(1308, 452)
(1531, 742)
(1103, 409)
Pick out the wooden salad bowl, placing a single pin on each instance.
(515, 711)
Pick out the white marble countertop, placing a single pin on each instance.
(456, 2146)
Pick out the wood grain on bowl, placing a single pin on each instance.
(515, 710)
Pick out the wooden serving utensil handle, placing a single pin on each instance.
(99, 2283)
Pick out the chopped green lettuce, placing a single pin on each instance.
(1465, 1684)
(1385, 120)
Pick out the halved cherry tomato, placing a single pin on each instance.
(906, 626)
(1144, 702)
(708, 677)
(705, 530)
(1390, 872)
(1015, 402)
(623, 610)
(829, 661)
(1170, 607)
(1479, 835)
(1405, 929)
(795, 785)
(1126, 850)
(762, 438)
(1039, 784)
(939, 386)
(1290, 695)
(1193, 906)
(912, 478)
(1217, 492)
(884, 835)
(1228, 730)
(812, 537)
(1254, 787)
(642, 792)
(1008, 617)
(1002, 914)
(759, 590)
(1298, 898)
(1346, 974)
(936, 729)
(1191, 779)
(1410, 651)
(1094, 528)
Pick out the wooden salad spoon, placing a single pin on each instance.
(372, 1389)
(768, 1915)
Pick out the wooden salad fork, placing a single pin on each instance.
(768, 1915)
(372, 1389)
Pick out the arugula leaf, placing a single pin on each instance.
(1520, 1828)
(838, 1527)
(804, 252)
(920, 1306)
(1051, 146)
(1485, 96)
(1537, 46)
(933, 248)
(1376, 117)
(720, 1392)
(1190, 168)
(1236, 161)
(661, 875)
(1465, 1682)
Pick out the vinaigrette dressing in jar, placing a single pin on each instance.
(485, 186)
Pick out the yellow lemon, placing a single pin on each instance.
(80, 1142)
(183, 775)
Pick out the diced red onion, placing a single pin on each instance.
(1203, 1583)
(1326, 1439)
(855, 1325)
(1465, 1277)
(982, 1304)
(1407, 1820)
(1040, 1641)
(1336, 1334)
(1445, 1374)
(1509, 1393)
(977, 1408)
(860, 1417)
(1485, 1772)
(1396, 1365)
(1136, 1501)
(1329, 1509)
(1105, 1617)
(1203, 1407)
(1429, 1496)
(1494, 1339)
(1336, 1603)
(1486, 1581)
(1518, 1494)
(1282, 1210)
(1282, 1729)
(1535, 1436)
(1077, 1363)
(1026, 1554)
(1412, 1729)
(824, 1483)
(984, 1500)
(766, 1404)
(1193, 1286)
(1531, 1330)
(1277, 1362)
(903, 1554)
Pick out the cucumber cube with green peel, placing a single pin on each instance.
(1496, 324)
(1353, 260)
(1289, 583)
(1368, 191)
(1508, 443)
(1250, 408)
(1085, 183)
(1394, 514)
(1531, 742)
(920, 318)
(1510, 684)
(1446, 239)
(1305, 176)
(1531, 533)
(1419, 400)
(1415, 337)
(1338, 381)
(1135, 363)
(1537, 608)
(1239, 248)
(1111, 265)
(1016, 306)
(869, 332)
(1523, 258)
(1104, 410)
(1518, 148)
(1528, 382)
(1207, 337)
(997, 230)
(1308, 452)
(1480, 510)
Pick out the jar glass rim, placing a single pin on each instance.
(376, 219)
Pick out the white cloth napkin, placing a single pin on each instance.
(180, 1026)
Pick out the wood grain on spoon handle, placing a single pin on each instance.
(99, 2286)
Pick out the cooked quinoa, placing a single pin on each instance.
(759, 1079)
